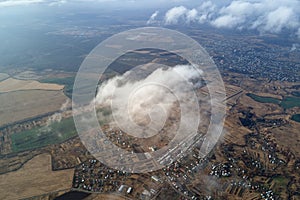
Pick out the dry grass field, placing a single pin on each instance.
(27, 75)
(105, 196)
(269, 95)
(3, 76)
(11, 85)
(33, 179)
(260, 109)
(20, 105)
(288, 136)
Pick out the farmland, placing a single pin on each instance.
(42, 136)
(20, 105)
(68, 82)
(34, 178)
(12, 85)
(262, 99)
(3, 76)
(287, 102)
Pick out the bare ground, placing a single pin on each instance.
(34, 178)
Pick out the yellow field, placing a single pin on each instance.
(11, 85)
(34, 178)
(20, 105)
(288, 137)
(269, 95)
(105, 196)
(3, 76)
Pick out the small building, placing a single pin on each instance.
(129, 190)
(121, 188)
(155, 178)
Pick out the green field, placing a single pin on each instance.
(296, 118)
(263, 99)
(280, 183)
(68, 82)
(38, 137)
(290, 102)
(286, 103)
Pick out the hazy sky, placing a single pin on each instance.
(111, 3)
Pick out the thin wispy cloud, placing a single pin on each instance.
(128, 3)
(10, 3)
(57, 3)
(18, 3)
(153, 17)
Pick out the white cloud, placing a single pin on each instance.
(294, 47)
(174, 14)
(227, 21)
(9, 3)
(262, 15)
(13, 3)
(192, 15)
(281, 18)
(153, 17)
(239, 8)
(206, 11)
(57, 3)
(149, 100)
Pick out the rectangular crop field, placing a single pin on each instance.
(56, 132)
(21, 105)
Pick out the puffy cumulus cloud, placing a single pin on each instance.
(279, 19)
(206, 11)
(262, 15)
(174, 14)
(191, 15)
(153, 17)
(148, 101)
(170, 77)
(226, 21)
(235, 14)
(201, 14)
(266, 15)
